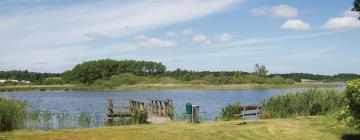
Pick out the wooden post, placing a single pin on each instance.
(110, 111)
(141, 106)
(257, 111)
(244, 113)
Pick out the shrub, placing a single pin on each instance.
(139, 116)
(352, 103)
(53, 81)
(228, 112)
(310, 102)
(124, 79)
(12, 114)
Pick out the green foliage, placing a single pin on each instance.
(124, 79)
(326, 78)
(310, 102)
(90, 71)
(351, 111)
(261, 70)
(63, 119)
(34, 117)
(34, 77)
(84, 119)
(53, 81)
(46, 118)
(229, 111)
(12, 114)
(356, 6)
(139, 116)
(170, 112)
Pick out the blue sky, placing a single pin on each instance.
(287, 36)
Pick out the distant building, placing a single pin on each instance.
(24, 81)
(3, 81)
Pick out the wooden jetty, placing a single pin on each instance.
(161, 107)
(157, 108)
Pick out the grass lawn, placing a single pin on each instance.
(323, 127)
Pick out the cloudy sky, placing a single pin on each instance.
(319, 36)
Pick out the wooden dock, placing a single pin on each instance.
(158, 110)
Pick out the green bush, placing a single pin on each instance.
(124, 79)
(352, 104)
(306, 103)
(139, 116)
(229, 111)
(12, 114)
(53, 81)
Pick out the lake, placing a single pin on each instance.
(95, 102)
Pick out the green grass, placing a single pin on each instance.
(321, 127)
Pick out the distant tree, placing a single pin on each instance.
(260, 70)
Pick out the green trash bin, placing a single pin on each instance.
(188, 108)
(189, 111)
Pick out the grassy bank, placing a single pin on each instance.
(159, 87)
(321, 127)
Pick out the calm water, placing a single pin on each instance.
(94, 102)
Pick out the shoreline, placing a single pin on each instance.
(22, 88)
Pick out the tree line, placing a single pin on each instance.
(117, 72)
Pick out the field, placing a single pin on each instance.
(321, 127)
(160, 87)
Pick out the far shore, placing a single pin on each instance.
(70, 87)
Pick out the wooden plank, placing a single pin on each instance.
(120, 114)
(250, 107)
(246, 114)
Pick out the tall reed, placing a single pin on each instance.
(84, 120)
(12, 114)
(229, 111)
(139, 116)
(307, 103)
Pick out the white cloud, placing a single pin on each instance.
(350, 13)
(295, 24)
(201, 39)
(255, 41)
(188, 31)
(282, 10)
(224, 38)
(143, 41)
(346, 22)
(34, 27)
(172, 33)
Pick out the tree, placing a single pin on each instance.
(351, 111)
(356, 6)
(260, 70)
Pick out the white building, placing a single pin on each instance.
(3, 81)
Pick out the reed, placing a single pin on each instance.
(307, 103)
(12, 114)
(229, 111)
(84, 120)
(139, 116)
